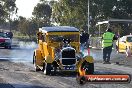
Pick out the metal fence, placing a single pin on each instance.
(96, 42)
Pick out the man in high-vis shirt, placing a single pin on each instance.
(107, 44)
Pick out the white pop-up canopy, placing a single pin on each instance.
(113, 21)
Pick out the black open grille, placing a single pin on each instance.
(68, 53)
(68, 61)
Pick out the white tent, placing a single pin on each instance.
(112, 21)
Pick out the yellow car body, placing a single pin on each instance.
(124, 43)
(58, 48)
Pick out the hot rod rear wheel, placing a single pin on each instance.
(81, 80)
(89, 67)
(47, 70)
(35, 65)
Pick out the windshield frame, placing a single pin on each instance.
(3, 35)
(129, 39)
(59, 38)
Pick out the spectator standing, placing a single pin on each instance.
(9, 34)
(84, 37)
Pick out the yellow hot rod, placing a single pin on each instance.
(58, 50)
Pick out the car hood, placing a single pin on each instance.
(3, 39)
(129, 43)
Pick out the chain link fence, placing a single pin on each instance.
(96, 42)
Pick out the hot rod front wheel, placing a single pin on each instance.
(47, 70)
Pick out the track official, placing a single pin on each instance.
(107, 44)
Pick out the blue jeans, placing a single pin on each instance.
(82, 47)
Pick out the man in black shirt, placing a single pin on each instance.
(84, 40)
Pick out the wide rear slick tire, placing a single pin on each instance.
(89, 67)
(48, 68)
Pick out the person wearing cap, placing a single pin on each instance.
(107, 44)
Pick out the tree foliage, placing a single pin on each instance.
(74, 12)
(27, 26)
(70, 12)
(7, 7)
(42, 13)
(105, 9)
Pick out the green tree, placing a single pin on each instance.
(7, 8)
(21, 25)
(113, 9)
(14, 25)
(42, 13)
(74, 12)
(70, 12)
(27, 26)
(2, 14)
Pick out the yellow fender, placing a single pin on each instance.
(48, 59)
(79, 70)
(89, 59)
(79, 64)
(39, 58)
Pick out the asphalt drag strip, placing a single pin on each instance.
(23, 75)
